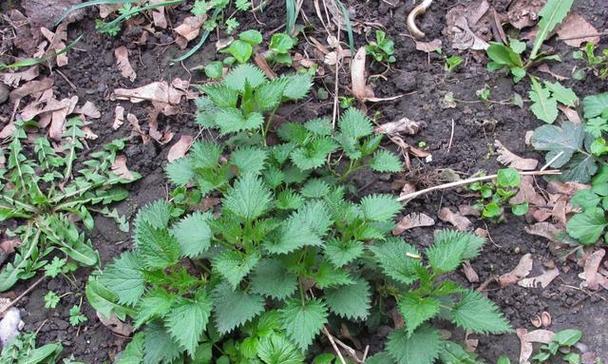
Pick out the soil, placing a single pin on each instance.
(424, 82)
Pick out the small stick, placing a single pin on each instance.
(445, 186)
(451, 137)
(28, 290)
(552, 160)
(333, 345)
(67, 80)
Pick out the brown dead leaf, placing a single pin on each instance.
(89, 134)
(545, 69)
(536, 321)
(470, 273)
(527, 193)
(524, 13)
(59, 116)
(411, 221)
(544, 229)
(465, 28)
(566, 188)
(119, 167)
(460, 222)
(541, 214)
(119, 117)
(13, 79)
(545, 319)
(590, 271)
(543, 280)
(31, 88)
(180, 148)
(136, 128)
(358, 76)
(8, 246)
(511, 159)
(159, 92)
(115, 325)
(403, 125)
(468, 210)
(123, 64)
(571, 114)
(526, 339)
(189, 30)
(575, 26)
(89, 110)
(560, 209)
(106, 9)
(429, 47)
(158, 15)
(522, 270)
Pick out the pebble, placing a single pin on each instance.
(4, 93)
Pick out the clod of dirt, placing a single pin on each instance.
(4, 92)
(10, 325)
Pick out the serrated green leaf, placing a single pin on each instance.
(380, 358)
(289, 200)
(478, 314)
(315, 188)
(341, 253)
(587, 227)
(103, 300)
(422, 347)
(249, 198)
(193, 234)
(158, 249)
(159, 347)
(249, 160)
(205, 154)
(354, 124)
(271, 278)
(244, 73)
(396, 258)
(595, 105)
(292, 236)
(448, 251)
(124, 277)
(551, 15)
(328, 276)
(221, 95)
(384, 161)
(153, 305)
(302, 321)
(313, 155)
(180, 171)
(350, 301)
(233, 308)
(319, 126)
(417, 310)
(562, 94)
(453, 353)
(133, 352)
(276, 349)
(298, 86)
(544, 106)
(379, 207)
(268, 96)
(187, 320)
(157, 214)
(234, 265)
(232, 120)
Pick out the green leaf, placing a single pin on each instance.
(350, 301)
(156, 214)
(124, 278)
(395, 257)
(341, 253)
(133, 353)
(385, 161)
(276, 349)
(543, 105)
(302, 321)
(268, 96)
(328, 276)
(379, 207)
(568, 337)
(222, 96)
(422, 347)
(380, 358)
(315, 188)
(551, 15)
(508, 177)
(298, 86)
(281, 42)
(249, 160)
(453, 353)
(214, 70)
(159, 347)
(233, 308)
(232, 120)
(354, 124)
(234, 265)
(251, 36)
(103, 300)
(205, 154)
(567, 140)
(595, 105)
(249, 198)
(159, 249)
(478, 314)
(244, 73)
(155, 304)
(187, 321)
(240, 50)
(292, 235)
(563, 94)
(180, 171)
(503, 55)
(588, 226)
(585, 199)
(193, 234)
(289, 200)
(271, 278)
(416, 310)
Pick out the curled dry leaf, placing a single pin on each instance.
(412, 220)
(526, 340)
(429, 47)
(545, 69)
(123, 64)
(470, 273)
(527, 193)
(570, 113)
(536, 321)
(403, 125)
(180, 148)
(590, 271)
(89, 110)
(56, 44)
(522, 270)
(115, 325)
(543, 280)
(136, 128)
(545, 319)
(510, 159)
(32, 88)
(159, 92)
(119, 167)
(119, 117)
(544, 229)
(408, 188)
(460, 222)
(106, 9)
(467, 26)
(189, 30)
(524, 13)
(566, 188)
(468, 210)
(575, 31)
(13, 79)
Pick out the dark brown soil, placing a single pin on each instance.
(476, 126)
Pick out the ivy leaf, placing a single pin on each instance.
(302, 321)
(416, 310)
(187, 321)
(124, 278)
(543, 105)
(551, 15)
(478, 314)
(421, 347)
(350, 301)
(588, 226)
(193, 234)
(271, 278)
(233, 308)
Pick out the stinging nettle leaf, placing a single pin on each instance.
(351, 301)
(422, 347)
(193, 234)
(302, 321)
(478, 314)
(233, 308)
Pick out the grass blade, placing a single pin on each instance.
(348, 25)
(27, 62)
(90, 3)
(291, 15)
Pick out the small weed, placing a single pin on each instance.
(561, 345)
(598, 64)
(484, 93)
(382, 49)
(346, 101)
(76, 317)
(242, 48)
(23, 350)
(452, 63)
(495, 195)
(279, 47)
(51, 299)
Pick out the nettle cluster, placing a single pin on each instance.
(44, 193)
(260, 277)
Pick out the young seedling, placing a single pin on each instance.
(452, 63)
(23, 350)
(280, 46)
(562, 345)
(496, 194)
(76, 317)
(382, 49)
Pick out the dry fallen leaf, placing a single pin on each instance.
(544, 229)
(358, 76)
(470, 273)
(590, 271)
(527, 338)
(403, 125)
(571, 114)
(189, 30)
(522, 270)
(119, 167)
(468, 210)
(119, 117)
(465, 28)
(527, 193)
(575, 26)
(412, 220)
(115, 325)
(543, 280)
(180, 148)
(31, 88)
(545, 319)
(89, 110)
(460, 222)
(8, 246)
(15, 78)
(159, 92)
(545, 69)
(428, 47)
(123, 64)
(511, 159)
(524, 13)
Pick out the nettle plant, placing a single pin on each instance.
(45, 191)
(258, 279)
